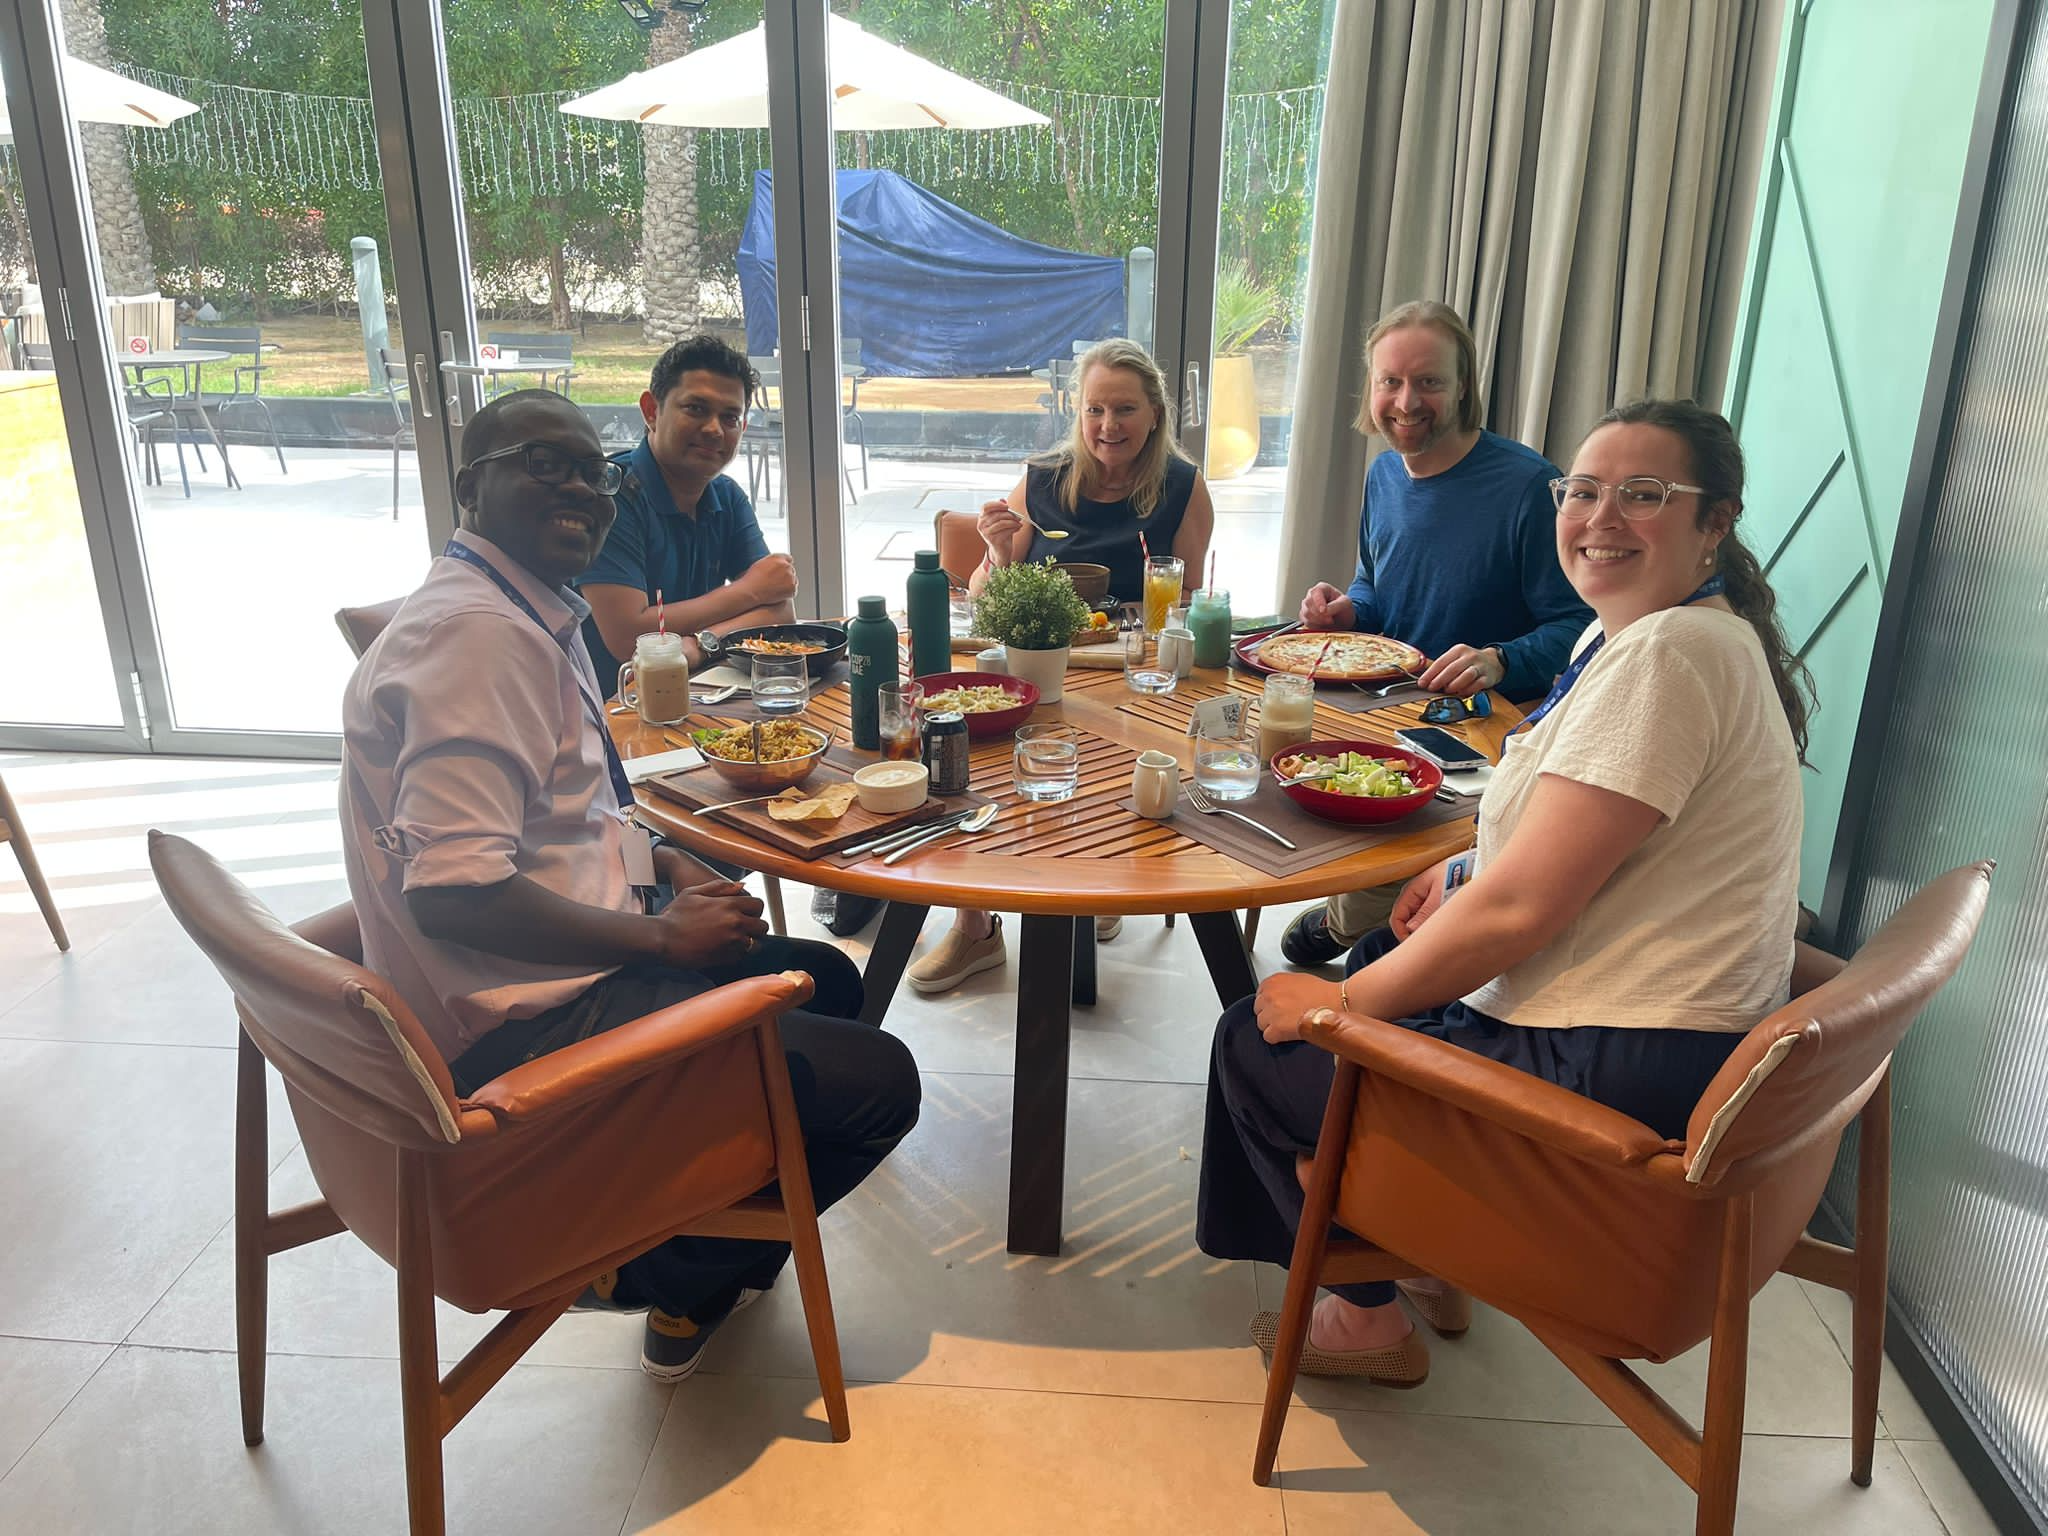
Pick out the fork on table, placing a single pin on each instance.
(1199, 799)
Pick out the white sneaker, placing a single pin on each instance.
(1107, 928)
(955, 958)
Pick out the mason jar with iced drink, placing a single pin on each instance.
(1163, 574)
(656, 681)
(1287, 714)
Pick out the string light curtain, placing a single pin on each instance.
(524, 146)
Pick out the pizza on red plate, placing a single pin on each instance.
(1339, 658)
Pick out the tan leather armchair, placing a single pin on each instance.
(514, 1197)
(1607, 1241)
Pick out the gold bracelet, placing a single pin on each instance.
(1343, 1002)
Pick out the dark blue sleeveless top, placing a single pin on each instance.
(1106, 532)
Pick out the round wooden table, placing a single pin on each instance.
(1060, 866)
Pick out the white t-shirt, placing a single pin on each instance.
(1694, 929)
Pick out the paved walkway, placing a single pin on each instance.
(246, 582)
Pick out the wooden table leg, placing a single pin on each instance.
(894, 940)
(1230, 965)
(1038, 1130)
(1084, 960)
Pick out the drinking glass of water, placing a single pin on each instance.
(1047, 763)
(781, 684)
(1141, 674)
(1227, 759)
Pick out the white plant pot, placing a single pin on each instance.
(1044, 670)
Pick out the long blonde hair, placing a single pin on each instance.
(1069, 462)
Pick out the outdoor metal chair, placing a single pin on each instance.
(853, 428)
(241, 342)
(37, 357)
(396, 386)
(151, 405)
(550, 354)
(763, 443)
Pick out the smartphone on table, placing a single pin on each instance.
(1442, 748)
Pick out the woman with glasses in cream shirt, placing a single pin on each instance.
(1632, 909)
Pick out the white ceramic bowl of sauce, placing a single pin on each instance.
(885, 788)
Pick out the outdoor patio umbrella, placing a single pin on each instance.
(875, 85)
(100, 96)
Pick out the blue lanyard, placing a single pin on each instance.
(622, 787)
(1713, 586)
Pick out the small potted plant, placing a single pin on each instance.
(1032, 611)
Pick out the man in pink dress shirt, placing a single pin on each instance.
(502, 889)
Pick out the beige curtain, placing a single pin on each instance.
(1556, 170)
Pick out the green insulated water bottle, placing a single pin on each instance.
(871, 662)
(927, 594)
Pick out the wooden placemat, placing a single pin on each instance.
(698, 787)
(1317, 841)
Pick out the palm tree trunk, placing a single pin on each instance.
(671, 248)
(125, 256)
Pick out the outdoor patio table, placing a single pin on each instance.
(544, 368)
(1061, 865)
(187, 361)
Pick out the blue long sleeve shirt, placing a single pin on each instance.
(1469, 556)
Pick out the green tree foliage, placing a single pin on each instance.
(226, 231)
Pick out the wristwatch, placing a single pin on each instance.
(709, 643)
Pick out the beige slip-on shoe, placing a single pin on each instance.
(955, 958)
(1402, 1366)
(1448, 1311)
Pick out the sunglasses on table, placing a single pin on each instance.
(551, 466)
(1449, 711)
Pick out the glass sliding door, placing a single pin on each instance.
(1279, 53)
(58, 668)
(612, 169)
(998, 196)
(240, 223)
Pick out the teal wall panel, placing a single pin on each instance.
(1871, 130)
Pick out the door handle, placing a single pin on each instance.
(1193, 415)
(453, 371)
(422, 386)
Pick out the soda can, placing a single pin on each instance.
(945, 751)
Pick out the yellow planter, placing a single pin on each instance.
(1233, 419)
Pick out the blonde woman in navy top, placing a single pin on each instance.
(1120, 473)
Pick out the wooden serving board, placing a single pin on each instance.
(697, 787)
(968, 645)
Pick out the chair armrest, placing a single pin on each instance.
(1541, 1111)
(592, 1068)
(335, 931)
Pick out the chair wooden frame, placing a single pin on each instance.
(13, 832)
(434, 1404)
(1708, 1457)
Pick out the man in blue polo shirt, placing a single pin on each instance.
(1457, 555)
(686, 530)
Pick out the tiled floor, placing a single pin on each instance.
(1111, 1389)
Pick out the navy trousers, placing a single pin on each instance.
(1266, 1105)
(856, 1090)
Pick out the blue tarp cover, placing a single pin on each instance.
(934, 292)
